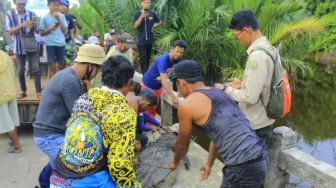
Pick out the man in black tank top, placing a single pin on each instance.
(242, 151)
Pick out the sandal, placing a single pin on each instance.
(14, 150)
(10, 144)
(22, 95)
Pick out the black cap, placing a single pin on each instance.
(189, 70)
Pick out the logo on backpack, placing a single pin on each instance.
(83, 147)
(280, 95)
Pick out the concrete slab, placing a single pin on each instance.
(21, 169)
(191, 178)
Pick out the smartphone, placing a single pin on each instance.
(146, 10)
(57, 23)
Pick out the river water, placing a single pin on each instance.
(313, 118)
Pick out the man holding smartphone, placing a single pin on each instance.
(53, 26)
(145, 20)
(20, 21)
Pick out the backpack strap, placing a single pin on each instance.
(274, 57)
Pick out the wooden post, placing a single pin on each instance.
(166, 110)
(283, 138)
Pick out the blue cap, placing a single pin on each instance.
(65, 2)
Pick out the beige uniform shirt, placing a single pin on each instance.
(128, 54)
(113, 52)
(255, 90)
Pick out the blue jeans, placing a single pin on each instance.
(246, 175)
(98, 180)
(50, 145)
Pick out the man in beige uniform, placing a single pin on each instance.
(253, 91)
(123, 47)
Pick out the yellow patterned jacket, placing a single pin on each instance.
(118, 127)
(100, 117)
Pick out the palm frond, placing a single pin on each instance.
(291, 31)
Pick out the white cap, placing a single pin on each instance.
(93, 40)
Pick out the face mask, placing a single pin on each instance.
(88, 72)
(87, 76)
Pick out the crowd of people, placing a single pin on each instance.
(92, 116)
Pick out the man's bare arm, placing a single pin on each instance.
(212, 154)
(139, 20)
(17, 29)
(183, 138)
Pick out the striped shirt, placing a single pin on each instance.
(12, 23)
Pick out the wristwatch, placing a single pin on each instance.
(224, 86)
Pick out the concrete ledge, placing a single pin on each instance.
(309, 169)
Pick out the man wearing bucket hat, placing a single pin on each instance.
(58, 99)
(98, 148)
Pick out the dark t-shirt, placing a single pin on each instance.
(58, 98)
(71, 25)
(73, 18)
(145, 35)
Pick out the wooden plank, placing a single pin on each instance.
(27, 113)
(31, 93)
(306, 167)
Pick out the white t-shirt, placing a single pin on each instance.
(107, 36)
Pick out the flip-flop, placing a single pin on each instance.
(13, 150)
